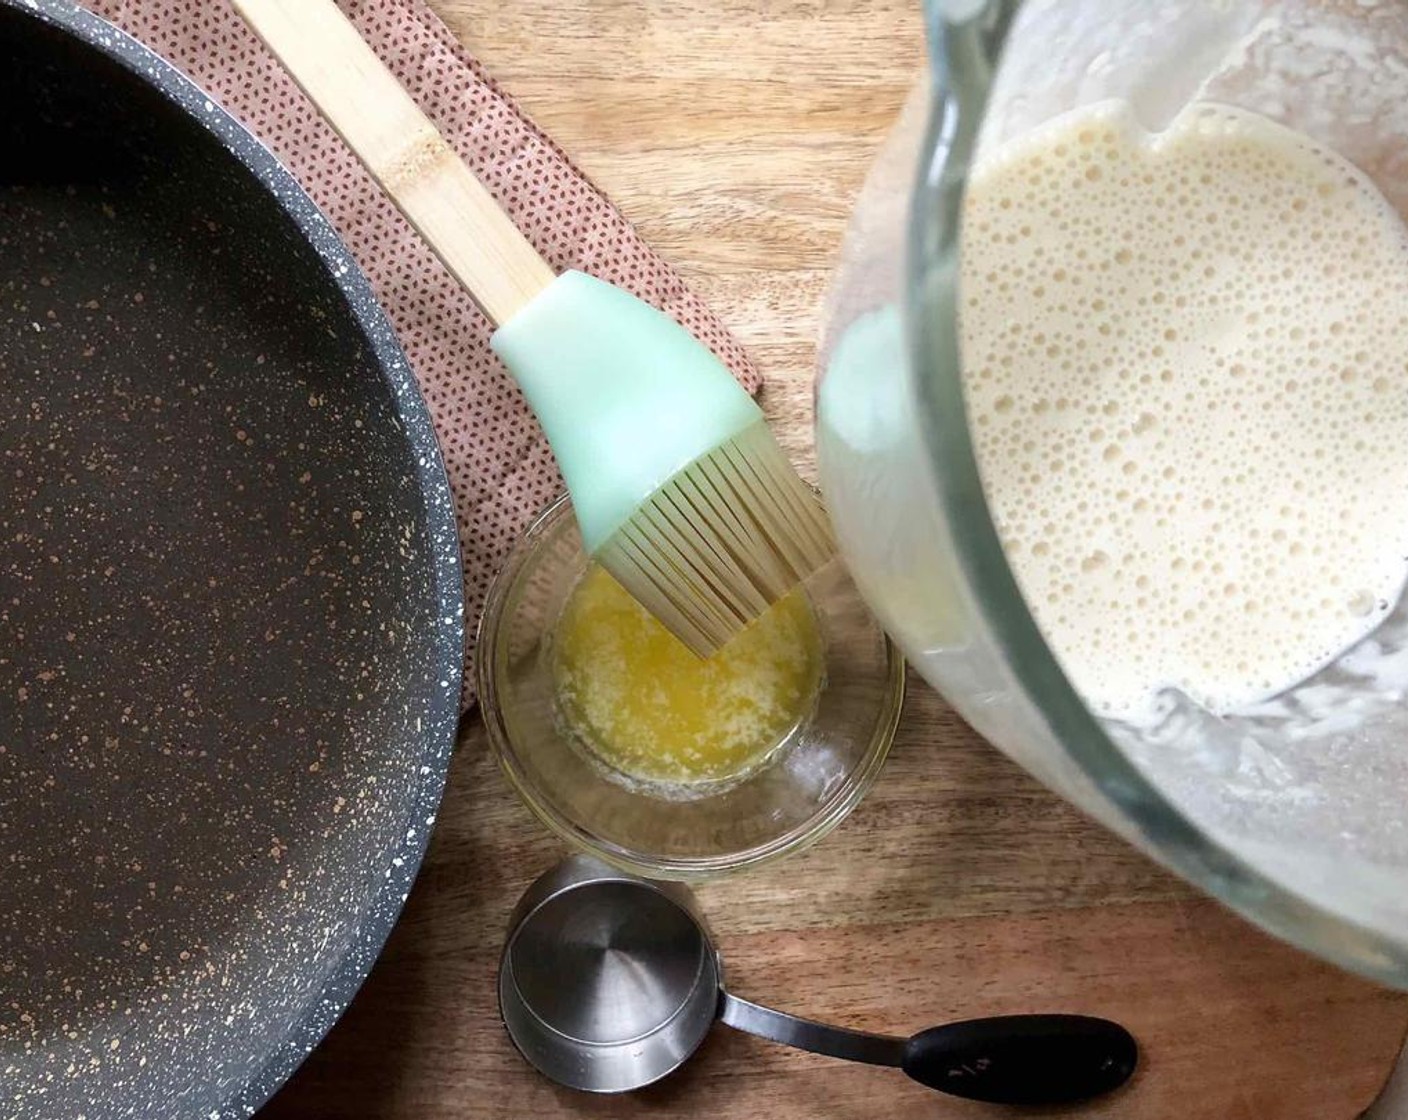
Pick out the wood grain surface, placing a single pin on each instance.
(735, 133)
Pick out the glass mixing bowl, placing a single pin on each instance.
(804, 788)
(1294, 814)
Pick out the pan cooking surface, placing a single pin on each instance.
(229, 623)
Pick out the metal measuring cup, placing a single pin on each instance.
(608, 982)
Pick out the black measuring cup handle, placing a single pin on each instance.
(1023, 1059)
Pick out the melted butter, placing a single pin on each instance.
(652, 710)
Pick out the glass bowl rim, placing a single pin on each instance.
(828, 815)
(962, 60)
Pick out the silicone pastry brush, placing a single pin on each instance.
(680, 489)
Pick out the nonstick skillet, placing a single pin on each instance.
(231, 624)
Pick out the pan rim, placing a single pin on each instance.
(427, 770)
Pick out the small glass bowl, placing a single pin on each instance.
(804, 789)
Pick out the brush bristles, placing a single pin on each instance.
(722, 541)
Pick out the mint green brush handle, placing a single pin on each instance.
(627, 396)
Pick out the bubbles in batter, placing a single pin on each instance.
(1186, 367)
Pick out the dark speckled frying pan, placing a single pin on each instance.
(230, 614)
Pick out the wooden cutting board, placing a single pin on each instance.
(960, 887)
(736, 134)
